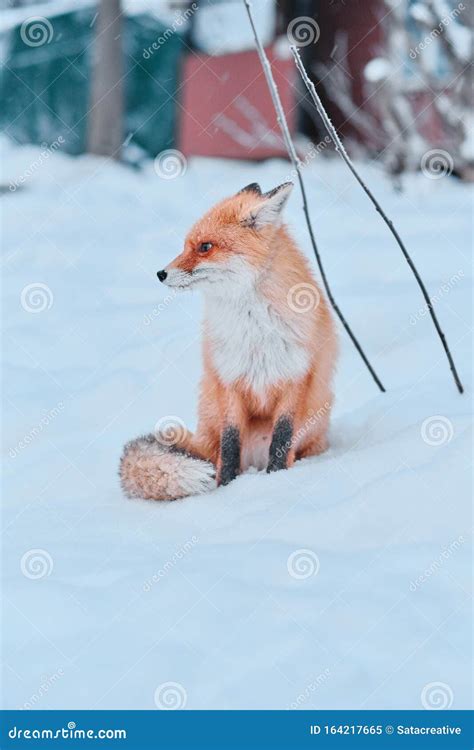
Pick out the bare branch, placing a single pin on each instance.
(281, 119)
(341, 150)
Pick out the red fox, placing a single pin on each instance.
(269, 350)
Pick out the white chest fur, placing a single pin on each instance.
(250, 340)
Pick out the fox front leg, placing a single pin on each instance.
(232, 432)
(281, 454)
(229, 459)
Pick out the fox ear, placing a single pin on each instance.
(270, 207)
(254, 187)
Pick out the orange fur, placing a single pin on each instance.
(278, 267)
(273, 251)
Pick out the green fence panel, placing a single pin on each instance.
(45, 87)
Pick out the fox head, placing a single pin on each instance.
(228, 247)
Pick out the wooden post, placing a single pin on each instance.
(105, 116)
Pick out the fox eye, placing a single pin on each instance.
(204, 247)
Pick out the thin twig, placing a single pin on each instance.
(281, 119)
(343, 153)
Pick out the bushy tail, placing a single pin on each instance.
(153, 470)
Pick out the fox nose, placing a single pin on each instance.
(162, 275)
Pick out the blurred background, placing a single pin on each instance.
(105, 600)
(130, 78)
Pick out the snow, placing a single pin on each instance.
(107, 599)
(221, 28)
(377, 69)
(421, 13)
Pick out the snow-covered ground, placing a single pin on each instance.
(342, 583)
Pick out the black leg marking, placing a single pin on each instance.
(230, 455)
(280, 445)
